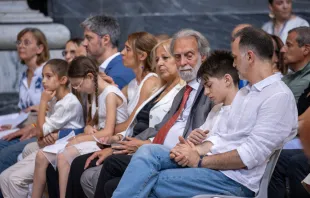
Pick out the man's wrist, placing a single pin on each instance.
(199, 165)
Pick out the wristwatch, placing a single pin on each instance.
(200, 161)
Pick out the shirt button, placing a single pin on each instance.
(151, 117)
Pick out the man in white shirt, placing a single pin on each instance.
(101, 38)
(230, 162)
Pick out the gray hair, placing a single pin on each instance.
(103, 25)
(203, 43)
(303, 35)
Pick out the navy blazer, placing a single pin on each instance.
(120, 74)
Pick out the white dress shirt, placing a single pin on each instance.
(105, 63)
(177, 129)
(66, 113)
(262, 118)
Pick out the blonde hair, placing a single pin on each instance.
(166, 45)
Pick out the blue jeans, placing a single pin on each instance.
(9, 150)
(151, 173)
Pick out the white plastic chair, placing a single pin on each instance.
(263, 187)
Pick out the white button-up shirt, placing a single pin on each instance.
(29, 96)
(262, 118)
(105, 63)
(178, 128)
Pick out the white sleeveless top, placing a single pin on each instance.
(121, 111)
(134, 90)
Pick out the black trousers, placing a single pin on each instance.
(112, 170)
(74, 188)
(293, 167)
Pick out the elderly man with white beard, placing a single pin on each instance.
(189, 110)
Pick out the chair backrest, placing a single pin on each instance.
(263, 187)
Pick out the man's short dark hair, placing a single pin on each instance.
(256, 40)
(303, 35)
(217, 65)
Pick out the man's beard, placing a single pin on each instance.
(192, 74)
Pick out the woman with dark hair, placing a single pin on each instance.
(277, 58)
(74, 48)
(282, 19)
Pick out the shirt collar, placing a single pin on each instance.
(105, 63)
(37, 72)
(194, 84)
(259, 86)
(305, 69)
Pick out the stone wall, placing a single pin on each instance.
(215, 18)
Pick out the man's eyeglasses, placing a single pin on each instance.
(78, 86)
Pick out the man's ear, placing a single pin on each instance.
(203, 58)
(250, 56)
(106, 39)
(306, 50)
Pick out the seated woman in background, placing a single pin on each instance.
(282, 19)
(277, 58)
(33, 51)
(136, 55)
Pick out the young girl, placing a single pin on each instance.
(58, 109)
(108, 108)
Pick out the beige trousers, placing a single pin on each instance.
(30, 148)
(15, 180)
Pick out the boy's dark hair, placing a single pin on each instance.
(218, 64)
(59, 67)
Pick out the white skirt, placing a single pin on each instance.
(74, 151)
